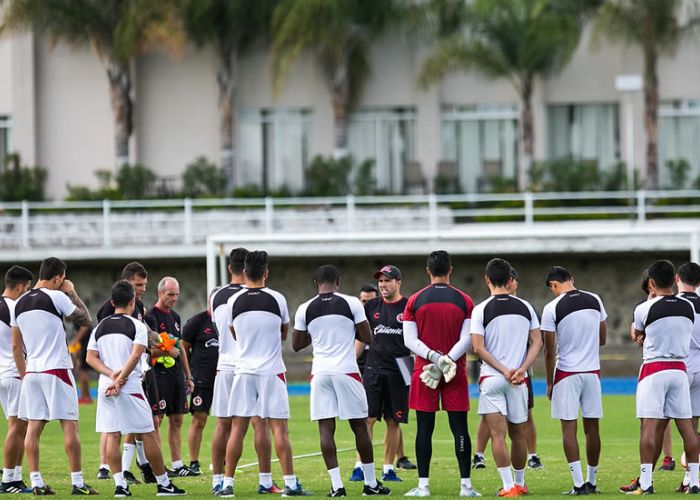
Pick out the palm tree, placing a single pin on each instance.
(118, 30)
(230, 27)
(655, 27)
(340, 34)
(519, 40)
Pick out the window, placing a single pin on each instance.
(387, 137)
(584, 132)
(679, 137)
(4, 138)
(274, 148)
(479, 143)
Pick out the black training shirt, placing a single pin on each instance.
(200, 333)
(386, 322)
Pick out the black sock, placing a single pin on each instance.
(425, 423)
(463, 444)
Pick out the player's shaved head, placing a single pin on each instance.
(255, 265)
(689, 273)
(327, 275)
(498, 271)
(122, 293)
(662, 273)
(236, 259)
(439, 263)
(17, 275)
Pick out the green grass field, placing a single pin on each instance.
(619, 461)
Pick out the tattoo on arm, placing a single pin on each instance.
(81, 316)
(153, 338)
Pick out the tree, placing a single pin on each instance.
(655, 27)
(340, 34)
(519, 40)
(118, 30)
(230, 27)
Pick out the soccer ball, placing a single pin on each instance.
(684, 462)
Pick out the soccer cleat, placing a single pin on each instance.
(468, 492)
(418, 492)
(102, 473)
(478, 462)
(183, 471)
(223, 492)
(577, 490)
(85, 489)
(43, 490)
(522, 490)
(299, 491)
(130, 478)
(592, 489)
(390, 476)
(147, 473)
(633, 485)
(272, 489)
(511, 493)
(534, 462)
(357, 474)
(217, 488)
(405, 463)
(195, 467)
(340, 492)
(170, 490)
(379, 489)
(682, 488)
(14, 487)
(693, 490)
(640, 491)
(120, 491)
(668, 464)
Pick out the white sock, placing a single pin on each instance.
(530, 455)
(18, 473)
(128, 456)
(265, 479)
(693, 468)
(370, 474)
(358, 465)
(592, 474)
(465, 482)
(423, 482)
(177, 464)
(228, 481)
(36, 480)
(216, 479)
(388, 467)
(140, 453)
(163, 480)
(8, 475)
(290, 481)
(519, 476)
(336, 480)
(686, 477)
(506, 478)
(645, 478)
(76, 478)
(576, 473)
(119, 479)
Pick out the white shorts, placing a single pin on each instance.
(579, 390)
(263, 396)
(9, 396)
(48, 396)
(664, 394)
(127, 413)
(497, 395)
(339, 395)
(223, 382)
(694, 382)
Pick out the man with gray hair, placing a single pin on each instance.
(172, 368)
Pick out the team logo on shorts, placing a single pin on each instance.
(162, 404)
(197, 401)
(399, 317)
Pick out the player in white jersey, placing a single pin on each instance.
(688, 281)
(330, 322)
(259, 321)
(224, 381)
(500, 328)
(664, 325)
(17, 281)
(574, 328)
(114, 351)
(48, 388)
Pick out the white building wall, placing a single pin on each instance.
(6, 78)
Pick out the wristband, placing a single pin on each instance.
(189, 378)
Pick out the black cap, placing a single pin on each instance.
(391, 272)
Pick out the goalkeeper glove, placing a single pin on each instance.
(431, 375)
(447, 367)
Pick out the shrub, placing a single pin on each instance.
(203, 178)
(364, 182)
(135, 182)
(678, 171)
(328, 176)
(105, 191)
(21, 182)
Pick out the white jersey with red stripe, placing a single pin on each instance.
(692, 362)
(8, 368)
(667, 322)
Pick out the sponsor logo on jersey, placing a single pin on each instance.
(375, 315)
(387, 330)
(212, 343)
(399, 317)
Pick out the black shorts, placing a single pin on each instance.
(173, 396)
(150, 389)
(201, 399)
(387, 395)
(530, 394)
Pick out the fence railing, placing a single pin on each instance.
(107, 223)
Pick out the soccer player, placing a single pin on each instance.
(500, 329)
(201, 343)
(664, 325)
(17, 281)
(48, 388)
(436, 329)
(172, 371)
(137, 276)
(259, 321)
(114, 350)
(574, 328)
(330, 322)
(224, 382)
(688, 281)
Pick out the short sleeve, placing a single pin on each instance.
(603, 312)
(548, 318)
(106, 310)
(357, 309)
(141, 337)
(300, 318)
(191, 329)
(408, 312)
(150, 320)
(639, 313)
(476, 324)
(63, 303)
(11, 308)
(470, 306)
(534, 320)
(229, 310)
(284, 311)
(92, 343)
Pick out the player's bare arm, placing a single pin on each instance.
(189, 381)
(532, 352)
(284, 329)
(550, 359)
(81, 316)
(363, 332)
(603, 333)
(233, 332)
(300, 340)
(93, 359)
(480, 350)
(359, 349)
(18, 351)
